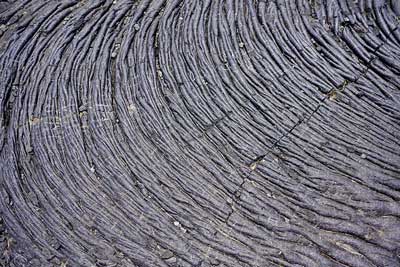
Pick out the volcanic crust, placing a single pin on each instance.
(230, 133)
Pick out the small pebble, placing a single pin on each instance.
(131, 108)
(359, 94)
(214, 261)
(167, 254)
(237, 194)
(351, 150)
(113, 54)
(171, 260)
(176, 223)
(241, 44)
(253, 166)
(136, 26)
(363, 156)
(29, 149)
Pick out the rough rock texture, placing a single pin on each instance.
(200, 133)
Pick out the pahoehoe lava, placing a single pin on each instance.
(200, 133)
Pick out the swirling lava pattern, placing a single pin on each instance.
(200, 133)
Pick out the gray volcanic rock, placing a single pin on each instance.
(200, 133)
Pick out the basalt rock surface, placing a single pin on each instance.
(200, 133)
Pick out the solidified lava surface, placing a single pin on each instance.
(200, 133)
